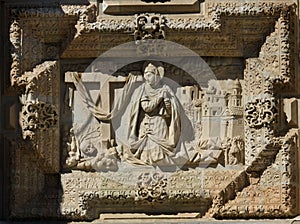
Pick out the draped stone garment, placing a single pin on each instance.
(142, 144)
(99, 113)
(154, 128)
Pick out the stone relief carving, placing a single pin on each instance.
(84, 152)
(204, 44)
(154, 139)
(264, 197)
(261, 112)
(211, 22)
(151, 187)
(85, 17)
(37, 115)
(15, 38)
(149, 26)
(262, 81)
(234, 151)
(153, 133)
(259, 164)
(154, 120)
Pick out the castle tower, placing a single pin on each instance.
(235, 123)
(235, 98)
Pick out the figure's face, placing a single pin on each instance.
(151, 78)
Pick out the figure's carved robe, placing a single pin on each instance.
(164, 145)
(154, 128)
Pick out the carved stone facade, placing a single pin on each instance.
(156, 107)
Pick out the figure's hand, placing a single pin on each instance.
(164, 94)
(167, 102)
(166, 98)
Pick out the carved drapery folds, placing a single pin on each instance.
(259, 155)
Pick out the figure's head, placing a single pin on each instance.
(153, 73)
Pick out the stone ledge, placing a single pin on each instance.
(166, 221)
(115, 7)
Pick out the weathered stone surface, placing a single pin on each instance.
(118, 113)
(158, 6)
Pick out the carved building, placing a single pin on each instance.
(156, 107)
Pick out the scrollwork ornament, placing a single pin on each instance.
(15, 39)
(36, 115)
(151, 187)
(261, 112)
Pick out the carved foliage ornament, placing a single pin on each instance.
(87, 16)
(258, 113)
(38, 112)
(261, 112)
(37, 115)
(151, 187)
(15, 39)
(212, 22)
